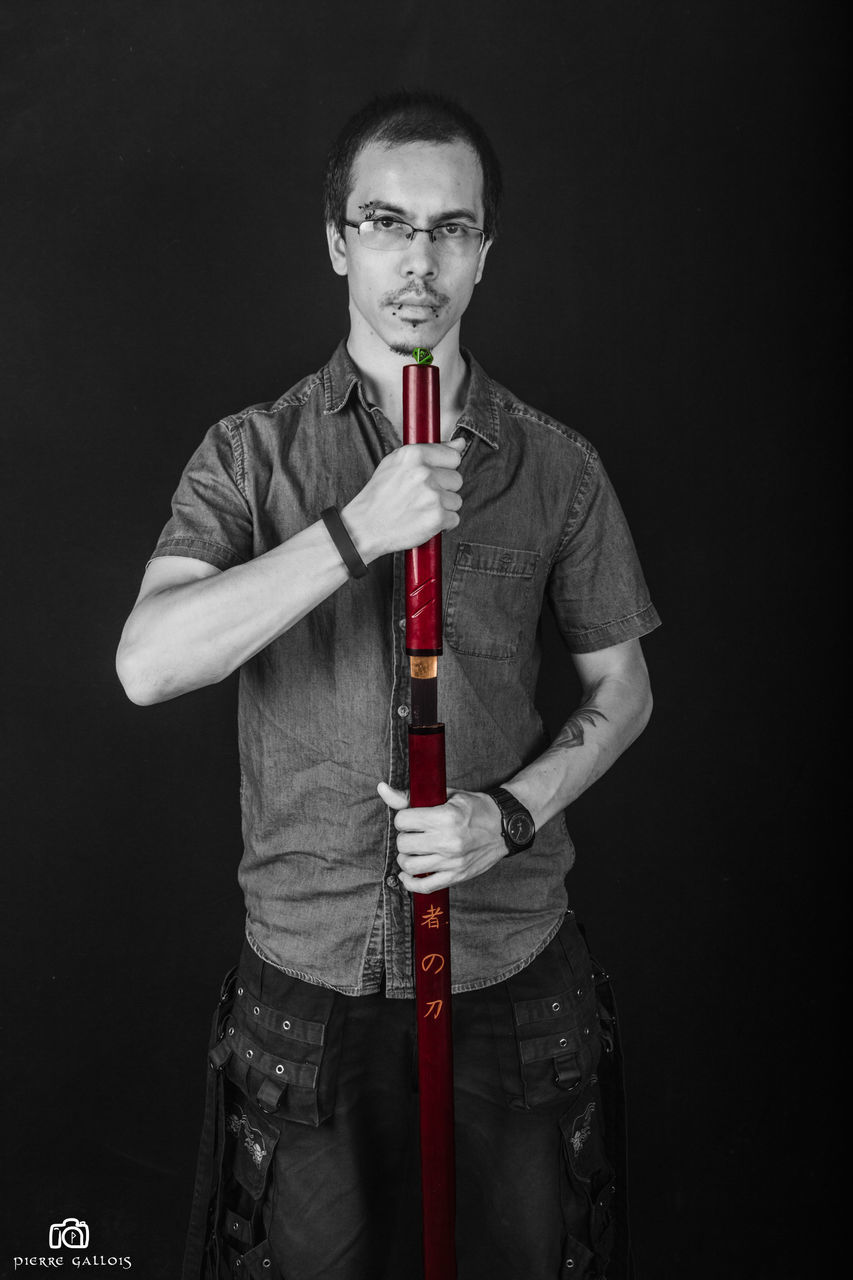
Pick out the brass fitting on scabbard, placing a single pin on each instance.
(423, 668)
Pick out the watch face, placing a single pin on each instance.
(519, 828)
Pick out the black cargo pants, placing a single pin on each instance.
(308, 1167)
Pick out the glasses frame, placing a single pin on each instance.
(429, 231)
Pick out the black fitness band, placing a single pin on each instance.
(331, 518)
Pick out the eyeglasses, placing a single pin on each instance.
(451, 239)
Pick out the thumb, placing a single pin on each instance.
(394, 799)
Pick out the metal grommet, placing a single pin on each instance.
(267, 1262)
(556, 1006)
(563, 1042)
(586, 1031)
(256, 1009)
(570, 1262)
(250, 1053)
(230, 1031)
(580, 991)
(279, 1070)
(239, 991)
(286, 1024)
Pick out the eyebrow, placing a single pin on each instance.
(446, 216)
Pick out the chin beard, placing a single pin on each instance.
(401, 348)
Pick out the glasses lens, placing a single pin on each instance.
(458, 240)
(384, 233)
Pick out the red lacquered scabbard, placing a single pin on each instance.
(431, 912)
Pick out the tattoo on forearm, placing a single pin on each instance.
(571, 734)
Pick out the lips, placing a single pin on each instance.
(422, 301)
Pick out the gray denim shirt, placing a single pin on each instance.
(323, 710)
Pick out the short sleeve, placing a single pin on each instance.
(596, 586)
(211, 518)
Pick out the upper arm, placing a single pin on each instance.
(166, 572)
(623, 662)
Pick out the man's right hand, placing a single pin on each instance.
(412, 495)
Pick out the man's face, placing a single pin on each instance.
(411, 296)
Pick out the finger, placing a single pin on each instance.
(420, 864)
(432, 819)
(449, 479)
(393, 798)
(420, 844)
(426, 884)
(445, 455)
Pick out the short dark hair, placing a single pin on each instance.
(395, 119)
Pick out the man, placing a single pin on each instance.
(317, 1167)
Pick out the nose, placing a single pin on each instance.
(420, 257)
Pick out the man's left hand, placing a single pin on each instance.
(447, 843)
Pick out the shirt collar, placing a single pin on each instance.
(479, 414)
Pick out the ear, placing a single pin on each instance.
(481, 264)
(337, 249)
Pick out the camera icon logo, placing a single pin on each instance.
(69, 1234)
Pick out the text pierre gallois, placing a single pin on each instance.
(76, 1261)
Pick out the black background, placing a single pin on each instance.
(668, 282)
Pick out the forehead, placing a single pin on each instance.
(424, 178)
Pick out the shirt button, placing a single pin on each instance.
(402, 624)
(391, 882)
(402, 711)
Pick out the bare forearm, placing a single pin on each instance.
(613, 713)
(194, 634)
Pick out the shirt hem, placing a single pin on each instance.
(618, 631)
(407, 992)
(215, 553)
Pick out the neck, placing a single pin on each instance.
(381, 373)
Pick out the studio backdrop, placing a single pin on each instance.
(666, 282)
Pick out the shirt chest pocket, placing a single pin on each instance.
(489, 599)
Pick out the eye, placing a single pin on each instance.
(452, 230)
(387, 224)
